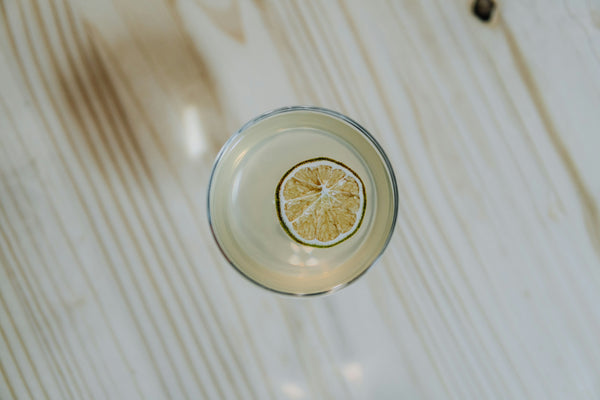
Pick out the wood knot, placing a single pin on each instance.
(484, 9)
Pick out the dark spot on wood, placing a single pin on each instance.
(484, 9)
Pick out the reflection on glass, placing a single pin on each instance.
(295, 260)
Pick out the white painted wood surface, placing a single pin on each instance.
(111, 113)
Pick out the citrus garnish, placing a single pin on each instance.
(320, 202)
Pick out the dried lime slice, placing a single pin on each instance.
(320, 202)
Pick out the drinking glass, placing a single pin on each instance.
(243, 200)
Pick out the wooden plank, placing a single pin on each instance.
(111, 114)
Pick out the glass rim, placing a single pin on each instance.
(331, 113)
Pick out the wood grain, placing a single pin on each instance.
(111, 114)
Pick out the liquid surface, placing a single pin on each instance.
(253, 202)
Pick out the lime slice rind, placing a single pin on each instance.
(281, 201)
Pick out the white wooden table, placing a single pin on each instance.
(111, 113)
